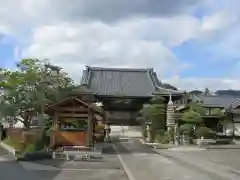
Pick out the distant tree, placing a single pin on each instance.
(196, 92)
(206, 91)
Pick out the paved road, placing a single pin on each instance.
(11, 170)
(145, 163)
(227, 157)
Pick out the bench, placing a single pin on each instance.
(85, 153)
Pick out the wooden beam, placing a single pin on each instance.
(73, 115)
(72, 109)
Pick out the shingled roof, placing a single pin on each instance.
(120, 81)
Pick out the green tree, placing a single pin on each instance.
(191, 117)
(217, 112)
(194, 114)
(29, 86)
(155, 113)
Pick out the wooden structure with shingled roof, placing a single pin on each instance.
(73, 122)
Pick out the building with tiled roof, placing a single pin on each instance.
(123, 91)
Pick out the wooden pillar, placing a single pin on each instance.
(55, 128)
(90, 127)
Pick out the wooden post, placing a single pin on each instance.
(90, 127)
(54, 128)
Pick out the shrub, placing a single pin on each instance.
(12, 142)
(40, 144)
(30, 148)
(162, 138)
(203, 132)
(186, 129)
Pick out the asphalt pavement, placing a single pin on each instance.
(143, 163)
(13, 170)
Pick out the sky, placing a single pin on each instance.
(191, 44)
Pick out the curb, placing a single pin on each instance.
(154, 145)
(8, 148)
(142, 141)
(126, 169)
(150, 144)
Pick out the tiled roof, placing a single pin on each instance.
(235, 103)
(163, 91)
(227, 102)
(82, 89)
(120, 81)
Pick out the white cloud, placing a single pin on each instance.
(171, 31)
(137, 33)
(213, 84)
(100, 44)
(218, 21)
(214, 24)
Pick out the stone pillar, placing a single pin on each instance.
(149, 138)
(171, 120)
(177, 134)
(107, 127)
(107, 130)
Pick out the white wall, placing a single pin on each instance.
(127, 131)
(237, 129)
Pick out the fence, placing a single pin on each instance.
(22, 135)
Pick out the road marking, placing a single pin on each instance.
(126, 169)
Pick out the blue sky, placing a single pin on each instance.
(6, 52)
(193, 44)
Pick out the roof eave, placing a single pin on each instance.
(123, 96)
(169, 91)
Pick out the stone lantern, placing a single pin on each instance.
(171, 123)
(148, 128)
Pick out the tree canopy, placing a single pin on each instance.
(155, 113)
(194, 114)
(29, 86)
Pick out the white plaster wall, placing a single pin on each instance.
(237, 129)
(229, 128)
(126, 131)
